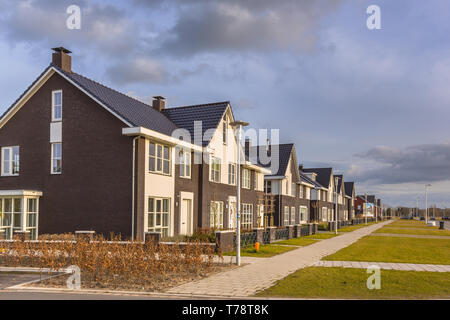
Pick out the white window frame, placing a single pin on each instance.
(268, 186)
(216, 215)
(33, 229)
(324, 214)
(247, 216)
(185, 158)
(152, 216)
(54, 119)
(293, 189)
(301, 193)
(292, 216)
(246, 178)
(53, 158)
(232, 174)
(214, 170)
(303, 210)
(159, 159)
(256, 181)
(286, 215)
(11, 161)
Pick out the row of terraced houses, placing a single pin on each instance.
(77, 155)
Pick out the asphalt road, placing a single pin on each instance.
(19, 295)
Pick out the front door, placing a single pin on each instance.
(186, 217)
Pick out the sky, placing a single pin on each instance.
(373, 104)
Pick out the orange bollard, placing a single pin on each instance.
(257, 246)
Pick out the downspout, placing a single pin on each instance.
(132, 186)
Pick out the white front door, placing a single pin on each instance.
(186, 217)
(232, 212)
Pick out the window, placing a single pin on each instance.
(247, 216)
(292, 215)
(231, 173)
(214, 168)
(256, 180)
(268, 186)
(56, 158)
(287, 187)
(293, 189)
(158, 216)
(224, 130)
(286, 215)
(302, 192)
(185, 163)
(303, 214)
(32, 218)
(57, 105)
(10, 161)
(324, 214)
(11, 218)
(159, 158)
(246, 178)
(216, 215)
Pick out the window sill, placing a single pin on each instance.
(160, 173)
(9, 175)
(187, 178)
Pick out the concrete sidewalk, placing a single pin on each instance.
(386, 266)
(263, 273)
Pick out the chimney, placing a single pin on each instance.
(247, 145)
(159, 103)
(62, 59)
(300, 167)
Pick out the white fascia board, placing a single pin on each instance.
(274, 177)
(250, 165)
(27, 193)
(92, 97)
(306, 184)
(141, 131)
(26, 96)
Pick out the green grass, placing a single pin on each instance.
(265, 251)
(396, 249)
(302, 241)
(418, 231)
(355, 227)
(346, 283)
(409, 224)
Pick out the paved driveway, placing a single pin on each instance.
(8, 279)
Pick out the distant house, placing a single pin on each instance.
(324, 196)
(350, 198)
(78, 155)
(291, 192)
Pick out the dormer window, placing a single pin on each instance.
(57, 105)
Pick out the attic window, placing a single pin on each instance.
(57, 105)
(224, 130)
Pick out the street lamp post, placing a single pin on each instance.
(336, 205)
(426, 202)
(238, 125)
(365, 205)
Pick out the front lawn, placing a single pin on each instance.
(265, 251)
(356, 227)
(347, 283)
(418, 231)
(396, 249)
(410, 224)
(321, 235)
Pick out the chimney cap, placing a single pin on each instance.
(61, 49)
(159, 98)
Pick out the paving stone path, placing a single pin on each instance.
(409, 236)
(386, 265)
(263, 273)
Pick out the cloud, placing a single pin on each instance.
(137, 70)
(235, 26)
(418, 163)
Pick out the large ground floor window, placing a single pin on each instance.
(216, 215)
(247, 216)
(159, 215)
(18, 213)
(324, 213)
(303, 214)
(292, 216)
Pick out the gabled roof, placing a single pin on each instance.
(323, 175)
(135, 112)
(210, 114)
(349, 188)
(284, 155)
(305, 178)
